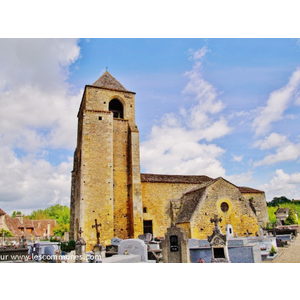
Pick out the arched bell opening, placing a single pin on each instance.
(116, 107)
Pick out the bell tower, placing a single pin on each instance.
(106, 182)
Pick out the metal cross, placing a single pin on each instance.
(98, 233)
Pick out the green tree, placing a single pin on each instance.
(60, 229)
(60, 213)
(278, 201)
(291, 219)
(272, 216)
(13, 215)
(7, 233)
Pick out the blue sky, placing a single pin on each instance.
(216, 107)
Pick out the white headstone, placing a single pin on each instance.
(133, 246)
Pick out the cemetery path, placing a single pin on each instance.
(290, 254)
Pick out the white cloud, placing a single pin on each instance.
(285, 149)
(277, 104)
(237, 158)
(177, 145)
(274, 140)
(30, 183)
(38, 113)
(282, 184)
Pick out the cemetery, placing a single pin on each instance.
(176, 248)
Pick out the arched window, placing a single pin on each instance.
(116, 107)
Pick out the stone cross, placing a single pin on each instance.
(80, 232)
(98, 233)
(216, 220)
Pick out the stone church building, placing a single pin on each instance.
(107, 185)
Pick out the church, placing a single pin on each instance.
(109, 189)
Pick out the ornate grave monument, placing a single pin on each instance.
(175, 246)
(99, 249)
(218, 243)
(80, 247)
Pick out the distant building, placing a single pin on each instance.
(282, 213)
(19, 226)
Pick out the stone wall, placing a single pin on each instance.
(157, 203)
(260, 206)
(239, 213)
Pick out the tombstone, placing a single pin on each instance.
(147, 237)
(261, 232)
(80, 248)
(229, 230)
(66, 237)
(175, 247)
(115, 241)
(218, 243)
(133, 246)
(99, 249)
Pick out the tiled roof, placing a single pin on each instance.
(36, 227)
(244, 189)
(2, 212)
(108, 81)
(41, 226)
(189, 206)
(192, 179)
(282, 210)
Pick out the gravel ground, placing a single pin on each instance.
(290, 254)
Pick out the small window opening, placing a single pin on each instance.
(116, 107)
(99, 118)
(224, 207)
(144, 210)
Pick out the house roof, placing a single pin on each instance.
(192, 179)
(40, 226)
(37, 227)
(109, 82)
(2, 212)
(282, 210)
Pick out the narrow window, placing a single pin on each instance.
(148, 227)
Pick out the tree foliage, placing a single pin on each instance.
(7, 233)
(278, 201)
(60, 229)
(58, 212)
(13, 215)
(291, 219)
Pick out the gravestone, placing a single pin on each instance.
(80, 248)
(175, 246)
(115, 241)
(147, 237)
(218, 243)
(133, 246)
(229, 230)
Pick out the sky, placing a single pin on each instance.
(216, 107)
